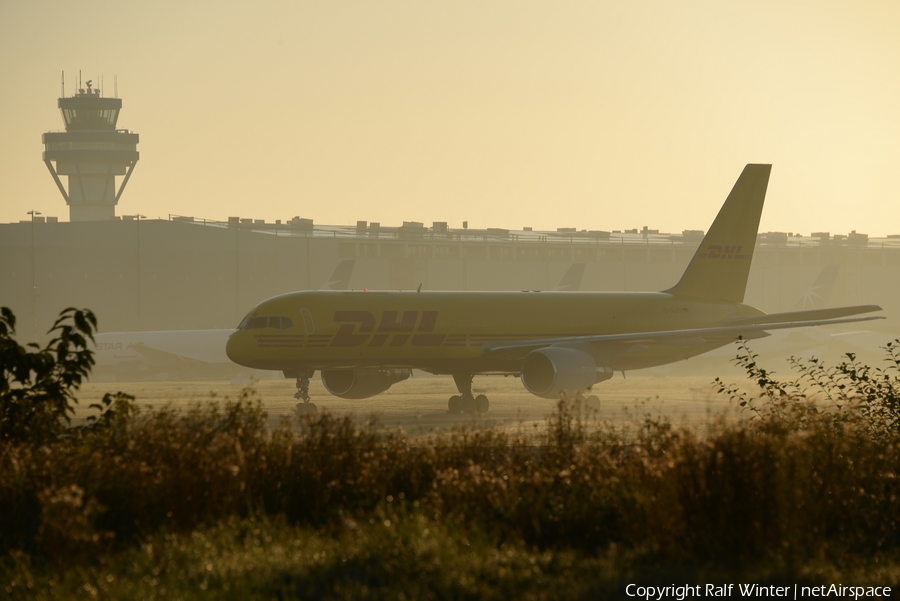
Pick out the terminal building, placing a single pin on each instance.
(184, 273)
(189, 273)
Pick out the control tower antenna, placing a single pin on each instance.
(91, 153)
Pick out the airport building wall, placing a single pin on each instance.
(179, 274)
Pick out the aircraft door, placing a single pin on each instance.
(308, 324)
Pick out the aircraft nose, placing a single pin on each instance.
(234, 348)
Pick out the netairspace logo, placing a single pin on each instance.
(680, 593)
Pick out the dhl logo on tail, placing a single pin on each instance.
(717, 251)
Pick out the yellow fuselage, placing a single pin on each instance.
(443, 332)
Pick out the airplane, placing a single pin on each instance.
(558, 343)
(180, 354)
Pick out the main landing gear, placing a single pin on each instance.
(587, 406)
(465, 402)
(303, 394)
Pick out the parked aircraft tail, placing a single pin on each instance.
(571, 280)
(819, 292)
(719, 269)
(340, 277)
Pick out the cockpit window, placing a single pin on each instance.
(280, 323)
(274, 322)
(257, 322)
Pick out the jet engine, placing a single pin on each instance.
(361, 383)
(550, 371)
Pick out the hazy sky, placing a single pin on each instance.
(598, 115)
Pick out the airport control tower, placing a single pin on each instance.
(91, 152)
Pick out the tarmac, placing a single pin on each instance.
(419, 404)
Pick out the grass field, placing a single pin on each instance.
(419, 404)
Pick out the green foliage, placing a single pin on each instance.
(37, 392)
(398, 556)
(38, 388)
(848, 392)
(877, 389)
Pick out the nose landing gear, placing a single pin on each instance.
(302, 393)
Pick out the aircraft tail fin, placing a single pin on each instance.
(819, 292)
(340, 277)
(571, 280)
(719, 269)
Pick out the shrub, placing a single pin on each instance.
(37, 391)
(849, 392)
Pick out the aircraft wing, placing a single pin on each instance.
(684, 337)
(158, 358)
(810, 315)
